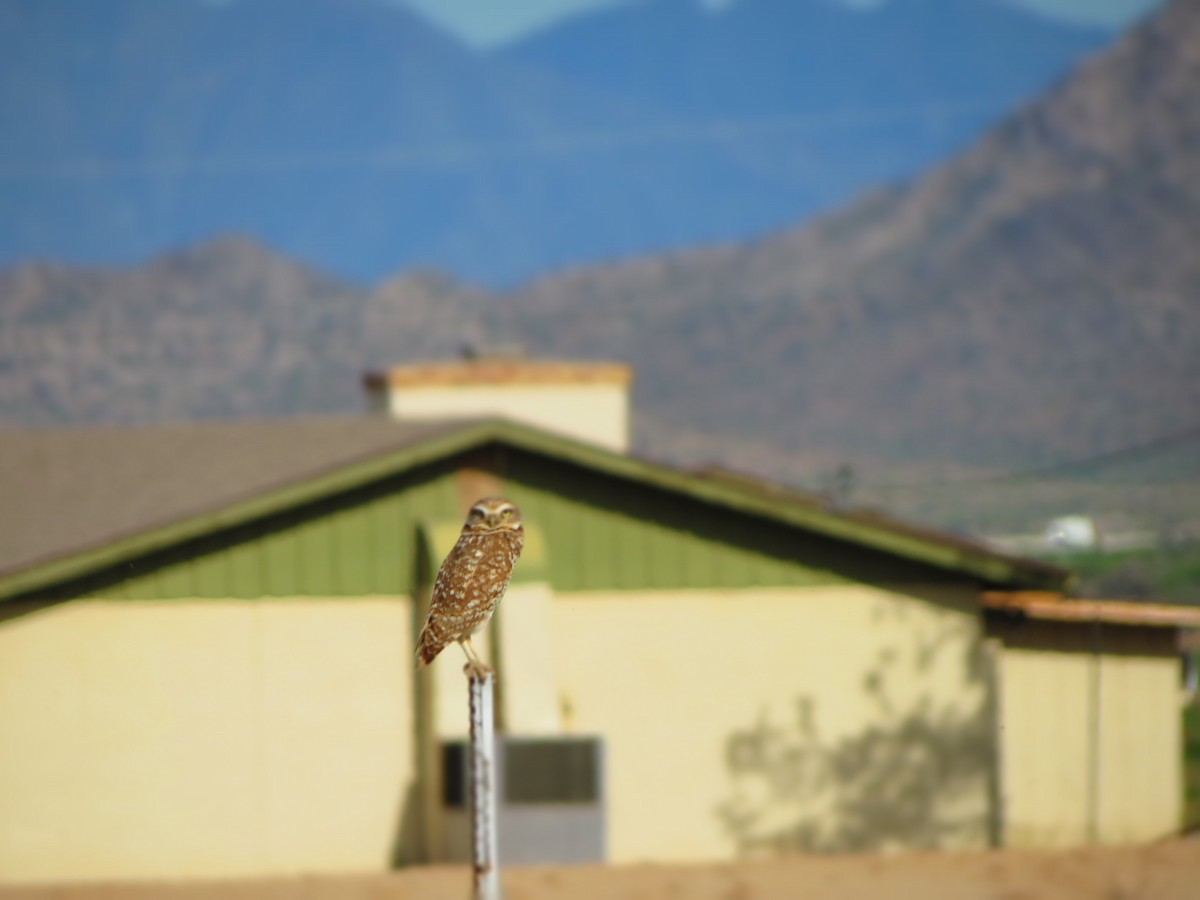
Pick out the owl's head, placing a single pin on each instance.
(493, 514)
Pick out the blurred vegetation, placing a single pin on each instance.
(1144, 503)
(1191, 766)
(1167, 573)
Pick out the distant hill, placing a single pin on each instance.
(1033, 299)
(226, 328)
(353, 135)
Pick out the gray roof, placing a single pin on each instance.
(64, 490)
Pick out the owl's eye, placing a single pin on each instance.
(506, 513)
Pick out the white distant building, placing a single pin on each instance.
(1072, 533)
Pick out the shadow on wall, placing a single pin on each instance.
(921, 778)
(406, 841)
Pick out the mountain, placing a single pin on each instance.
(344, 131)
(768, 58)
(351, 134)
(225, 328)
(1030, 300)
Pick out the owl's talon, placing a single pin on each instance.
(476, 670)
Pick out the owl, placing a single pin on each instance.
(472, 579)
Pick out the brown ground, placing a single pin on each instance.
(1167, 871)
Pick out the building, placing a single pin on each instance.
(206, 637)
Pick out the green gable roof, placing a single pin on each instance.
(80, 499)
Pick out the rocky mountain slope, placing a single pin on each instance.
(1033, 298)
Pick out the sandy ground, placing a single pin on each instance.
(1168, 871)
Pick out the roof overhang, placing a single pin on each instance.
(1053, 607)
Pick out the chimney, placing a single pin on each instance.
(588, 401)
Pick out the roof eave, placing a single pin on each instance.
(979, 563)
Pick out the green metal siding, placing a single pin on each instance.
(605, 533)
(594, 548)
(602, 532)
(350, 545)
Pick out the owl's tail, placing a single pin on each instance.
(428, 646)
(426, 654)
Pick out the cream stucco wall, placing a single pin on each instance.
(1076, 771)
(595, 412)
(209, 738)
(676, 682)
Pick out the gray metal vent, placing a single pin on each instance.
(551, 806)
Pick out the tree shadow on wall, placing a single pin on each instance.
(918, 780)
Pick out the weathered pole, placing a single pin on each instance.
(485, 859)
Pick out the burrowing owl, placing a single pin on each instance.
(472, 579)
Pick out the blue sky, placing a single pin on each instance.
(485, 22)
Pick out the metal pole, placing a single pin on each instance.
(484, 832)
